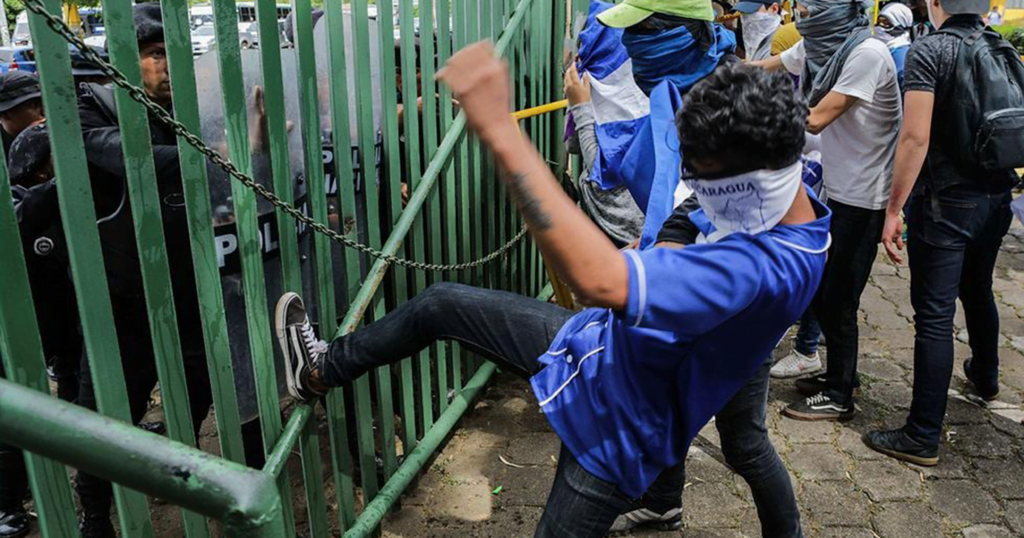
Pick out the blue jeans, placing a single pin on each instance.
(808, 334)
(513, 331)
(955, 236)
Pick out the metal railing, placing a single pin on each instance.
(456, 212)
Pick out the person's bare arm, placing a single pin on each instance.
(910, 155)
(571, 242)
(773, 63)
(833, 105)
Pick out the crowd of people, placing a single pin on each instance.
(740, 170)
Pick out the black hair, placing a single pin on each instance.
(743, 117)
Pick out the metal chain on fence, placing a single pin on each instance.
(139, 95)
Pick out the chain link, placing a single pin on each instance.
(139, 95)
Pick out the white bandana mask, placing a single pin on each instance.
(756, 27)
(751, 203)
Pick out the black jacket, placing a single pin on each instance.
(102, 137)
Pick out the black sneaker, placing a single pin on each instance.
(819, 407)
(303, 351)
(809, 386)
(897, 444)
(13, 523)
(642, 516)
(985, 393)
(96, 527)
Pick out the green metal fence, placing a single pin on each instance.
(455, 212)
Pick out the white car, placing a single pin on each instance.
(203, 39)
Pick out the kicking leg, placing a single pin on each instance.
(508, 329)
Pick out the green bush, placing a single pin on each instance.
(1016, 38)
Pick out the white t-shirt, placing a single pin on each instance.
(859, 147)
(794, 57)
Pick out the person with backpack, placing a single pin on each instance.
(963, 135)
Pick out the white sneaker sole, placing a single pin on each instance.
(801, 373)
(282, 340)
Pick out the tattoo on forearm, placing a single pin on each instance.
(529, 205)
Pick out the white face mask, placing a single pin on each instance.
(750, 203)
(756, 27)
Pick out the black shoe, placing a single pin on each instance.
(819, 407)
(641, 515)
(897, 444)
(303, 351)
(13, 523)
(985, 393)
(96, 527)
(809, 386)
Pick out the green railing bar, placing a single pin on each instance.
(375, 511)
(278, 458)
(146, 206)
(198, 211)
(367, 167)
(415, 243)
(447, 190)
(74, 192)
(22, 353)
(245, 500)
(249, 243)
(309, 111)
(337, 420)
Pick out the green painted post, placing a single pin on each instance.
(309, 110)
(75, 195)
(24, 364)
(367, 150)
(249, 241)
(449, 213)
(204, 255)
(337, 420)
(149, 237)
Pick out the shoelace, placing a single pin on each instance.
(315, 345)
(819, 398)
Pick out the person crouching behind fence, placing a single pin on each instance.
(628, 383)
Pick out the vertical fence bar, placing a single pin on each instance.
(309, 110)
(416, 238)
(449, 211)
(145, 199)
(197, 207)
(464, 205)
(337, 419)
(76, 207)
(24, 364)
(249, 243)
(367, 166)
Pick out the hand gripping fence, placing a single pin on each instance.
(139, 95)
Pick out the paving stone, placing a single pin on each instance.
(986, 531)
(1015, 516)
(847, 532)
(711, 504)
(961, 411)
(951, 465)
(880, 369)
(1005, 478)
(892, 395)
(701, 467)
(886, 480)
(982, 440)
(1009, 421)
(963, 501)
(818, 462)
(906, 520)
(850, 442)
(799, 431)
(834, 503)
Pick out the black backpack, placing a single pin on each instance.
(987, 101)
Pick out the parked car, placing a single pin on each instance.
(17, 59)
(249, 37)
(203, 39)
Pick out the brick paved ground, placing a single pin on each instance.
(844, 489)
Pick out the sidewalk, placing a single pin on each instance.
(844, 489)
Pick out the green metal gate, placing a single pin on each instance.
(456, 212)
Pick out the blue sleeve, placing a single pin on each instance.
(690, 291)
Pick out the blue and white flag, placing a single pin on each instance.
(619, 104)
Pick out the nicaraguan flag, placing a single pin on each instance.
(619, 105)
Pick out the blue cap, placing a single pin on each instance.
(747, 7)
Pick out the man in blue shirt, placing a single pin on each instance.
(672, 333)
